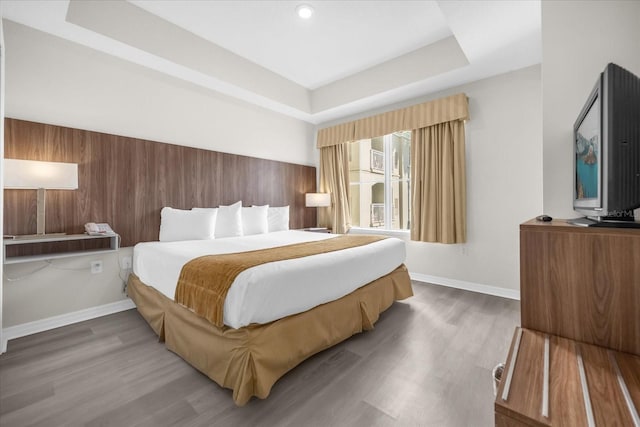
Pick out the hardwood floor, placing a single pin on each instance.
(427, 363)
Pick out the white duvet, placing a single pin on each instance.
(274, 290)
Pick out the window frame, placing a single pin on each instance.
(388, 166)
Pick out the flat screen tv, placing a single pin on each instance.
(606, 160)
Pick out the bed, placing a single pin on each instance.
(276, 314)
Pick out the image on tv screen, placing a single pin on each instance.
(588, 154)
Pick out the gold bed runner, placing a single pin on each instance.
(205, 281)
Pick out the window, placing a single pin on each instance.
(379, 170)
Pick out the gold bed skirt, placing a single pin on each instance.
(251, 359)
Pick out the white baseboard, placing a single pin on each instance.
(467, 286)
(42, 325)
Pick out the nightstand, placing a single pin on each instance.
(317, 229)
(56, 246)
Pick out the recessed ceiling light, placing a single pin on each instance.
(304, 11)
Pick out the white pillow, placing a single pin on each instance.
(206, 210)
(278, 218)
(254, 220)
(229, 221)
(177, 224)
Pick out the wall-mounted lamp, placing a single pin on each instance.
(41, 176)
(317, 200)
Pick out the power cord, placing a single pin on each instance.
(49, 263)
(52, 265)
(24, 276)
(127, 272)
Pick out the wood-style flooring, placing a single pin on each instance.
(427, 363)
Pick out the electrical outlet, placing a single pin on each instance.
(96, 267)
(126, 263)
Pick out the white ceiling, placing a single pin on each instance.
(341, 39)
(351, 56)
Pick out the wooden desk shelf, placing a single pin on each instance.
(57, 246)
(566, 403)
(579, 292)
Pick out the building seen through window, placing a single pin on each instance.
(379, 171)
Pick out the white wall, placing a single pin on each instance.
(504, 184)
(579, 38)
(53, 81)
(66, 286)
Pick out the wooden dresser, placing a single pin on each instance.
(576, 360)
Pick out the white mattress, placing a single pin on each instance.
(256, 296)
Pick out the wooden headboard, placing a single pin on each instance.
(127, 181)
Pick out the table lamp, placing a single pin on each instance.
(317, 200)
(41, 176)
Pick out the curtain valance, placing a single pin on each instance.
(455, 107)
(335, 135)
(378, 125)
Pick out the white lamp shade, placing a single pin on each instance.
(32, 174)
(317, 200)
(304, 11)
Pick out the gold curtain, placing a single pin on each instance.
(438, 182)
(378, 125)
(454, 107)
(334, 179)
(336, 135)
(438, 179)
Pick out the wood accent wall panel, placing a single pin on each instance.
(126, 181)
(581, 283)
